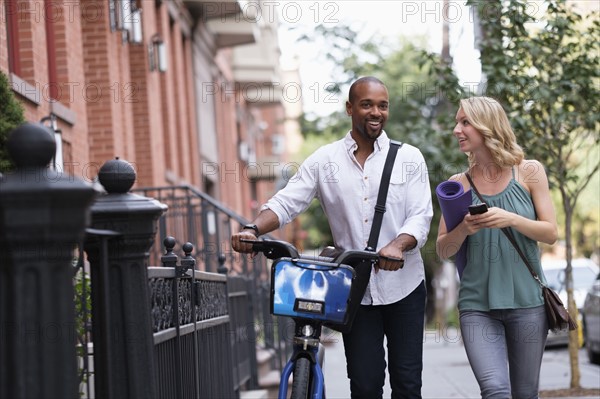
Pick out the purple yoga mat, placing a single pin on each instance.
(454, 202)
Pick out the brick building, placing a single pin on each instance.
(188, 91)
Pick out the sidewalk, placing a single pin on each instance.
(446, 370)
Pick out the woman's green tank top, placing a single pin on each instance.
(495, 276)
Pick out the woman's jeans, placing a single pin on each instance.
(402, 324)
(505, 349)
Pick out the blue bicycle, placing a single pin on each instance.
(313, 290)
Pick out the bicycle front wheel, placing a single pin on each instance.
(301, 382)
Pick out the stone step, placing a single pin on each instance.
(255, 394)
(263, 360)
(270, 381)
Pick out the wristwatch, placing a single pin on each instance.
(251, 227)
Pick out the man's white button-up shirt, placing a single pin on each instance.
(348, 194)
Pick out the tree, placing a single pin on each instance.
(546, 73)
(11, 116)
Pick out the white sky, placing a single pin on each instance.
(388, 18)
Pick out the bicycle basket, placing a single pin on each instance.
(311, 289)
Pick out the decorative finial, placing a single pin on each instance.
(169, 243)
(188, 262)
(169, 259)
(117, 176)
(222, 269)
(31, 145)
(188, 247)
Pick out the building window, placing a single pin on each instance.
(125, 16)
(157, 54)
(12, 30)
(51, 50)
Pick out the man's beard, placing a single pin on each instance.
(369, 133)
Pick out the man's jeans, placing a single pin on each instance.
(402, 324)
(505, 349)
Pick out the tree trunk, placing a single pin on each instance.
(571, 306)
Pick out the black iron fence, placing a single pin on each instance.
(178, 330)
(208, 225)
(191, 323)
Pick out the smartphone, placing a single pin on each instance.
(478, 209)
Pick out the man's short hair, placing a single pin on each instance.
(359, 81)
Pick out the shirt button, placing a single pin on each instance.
(366, 199)
(366, 177)
(366, 220)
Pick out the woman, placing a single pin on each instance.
(502, 318)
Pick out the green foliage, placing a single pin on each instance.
(11, 116)
(546, 73)
(83, 312)
(83, 302)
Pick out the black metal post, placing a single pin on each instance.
(43, 214)
(188, 264)
(123, 361)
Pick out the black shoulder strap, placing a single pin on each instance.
(382, 195)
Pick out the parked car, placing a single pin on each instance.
(591, 320)
(585, 272)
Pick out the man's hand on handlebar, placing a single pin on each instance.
(240, 246)
(391, 258)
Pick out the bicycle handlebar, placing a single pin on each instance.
(274, 249)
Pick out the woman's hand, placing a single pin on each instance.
(494, 218)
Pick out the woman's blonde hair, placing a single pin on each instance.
(487, 116)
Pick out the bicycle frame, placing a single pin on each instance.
(305, 347)
(313, 291)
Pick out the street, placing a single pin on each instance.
(446, 371)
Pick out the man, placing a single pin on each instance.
(345, 177)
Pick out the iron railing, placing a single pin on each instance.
(191, 324)
(197, 218)
(207, 224)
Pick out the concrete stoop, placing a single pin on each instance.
(268, 378)
(255, 394)
(270, 382)
(263, 360)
